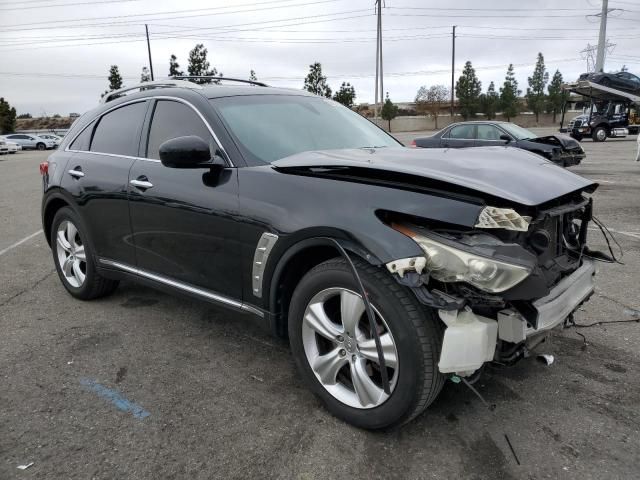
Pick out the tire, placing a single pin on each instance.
(74, 259)
(413, 332)
(599, 134)
(41, 146)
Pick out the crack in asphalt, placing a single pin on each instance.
(26, 289)
(617, 302)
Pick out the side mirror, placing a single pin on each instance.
(505, 137)
(186, 152)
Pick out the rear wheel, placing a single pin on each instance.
(599, 134)
(74, 260)
(336, 354)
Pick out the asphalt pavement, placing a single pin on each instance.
(143, 385)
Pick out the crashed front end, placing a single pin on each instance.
(502, 286)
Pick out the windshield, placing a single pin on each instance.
(517, 132)
(270, 127)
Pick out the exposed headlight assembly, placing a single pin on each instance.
(447, 263)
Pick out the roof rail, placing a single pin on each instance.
(215, 78)
(167, 83)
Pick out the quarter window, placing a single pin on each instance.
(83, 140)
(464, 132)
(171, 120)
(118, 131)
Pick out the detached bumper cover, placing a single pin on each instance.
(564, 298)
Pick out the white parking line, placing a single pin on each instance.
(20, 242)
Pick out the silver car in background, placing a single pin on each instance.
(50, 136)
(3, 147)
(28, 141)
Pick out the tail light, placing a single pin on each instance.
(413, 144)
(44, 168)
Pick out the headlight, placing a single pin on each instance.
(447, 263)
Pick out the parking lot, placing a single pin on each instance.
(215, 396)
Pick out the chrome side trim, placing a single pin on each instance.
(216, 297)
(158, 97)
(260, 257)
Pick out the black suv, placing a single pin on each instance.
(389, 269)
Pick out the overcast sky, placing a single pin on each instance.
(55, 54)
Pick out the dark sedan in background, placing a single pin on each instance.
(560, 149)
(620, 80)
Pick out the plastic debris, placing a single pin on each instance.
(546, 359)
(24, 467)
(257, 378)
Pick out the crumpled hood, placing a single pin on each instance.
(510, 173)
(563, 141)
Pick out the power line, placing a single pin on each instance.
(67, 4)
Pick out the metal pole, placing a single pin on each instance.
(381, 69)
(146, 28)
(375, 102)
(602, 37)
(453, 67)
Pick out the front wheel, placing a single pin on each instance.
(41, 146)
(334, 350)
(599, 134)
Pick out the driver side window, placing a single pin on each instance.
(171, 120)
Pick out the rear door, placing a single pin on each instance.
(185, 221)
(97, 176)
(459, 136)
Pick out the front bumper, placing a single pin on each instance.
(564, 298)
(470, 339)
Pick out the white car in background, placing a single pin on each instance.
(4, 149)
(29, 141)
(13, 147)
(54, 138)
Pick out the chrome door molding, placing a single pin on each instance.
(206, 294)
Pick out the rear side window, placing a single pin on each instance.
(83, 140)
(118, 131)
(171, 120)
(462, 132)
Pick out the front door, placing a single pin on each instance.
(488, 135)
(184, 221)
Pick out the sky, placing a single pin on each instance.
(55, 54)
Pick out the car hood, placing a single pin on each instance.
(512, 174)
(564, 141)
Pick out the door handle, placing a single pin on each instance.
(142, 183)
(76, 172)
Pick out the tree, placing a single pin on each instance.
(316, 82)
(556, 97)
(252, 76)
(346, 95)
(430, 100)
(468, 90)
(174, 67)
(7, 117)
(489, 102)
(145, 76)
(24, 115)
(389, 110)
(537, 82)
(115, 79)
(199, 65)
(509, 95)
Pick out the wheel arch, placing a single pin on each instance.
(293, 264)
(52, 204)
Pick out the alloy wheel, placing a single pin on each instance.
(341, 351)
(71, 254)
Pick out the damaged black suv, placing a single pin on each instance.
(388, 268)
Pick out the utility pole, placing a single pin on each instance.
(379, 80)
(453, 66)
(146, 28)
(602, 36)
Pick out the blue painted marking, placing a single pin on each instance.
(115, 397)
